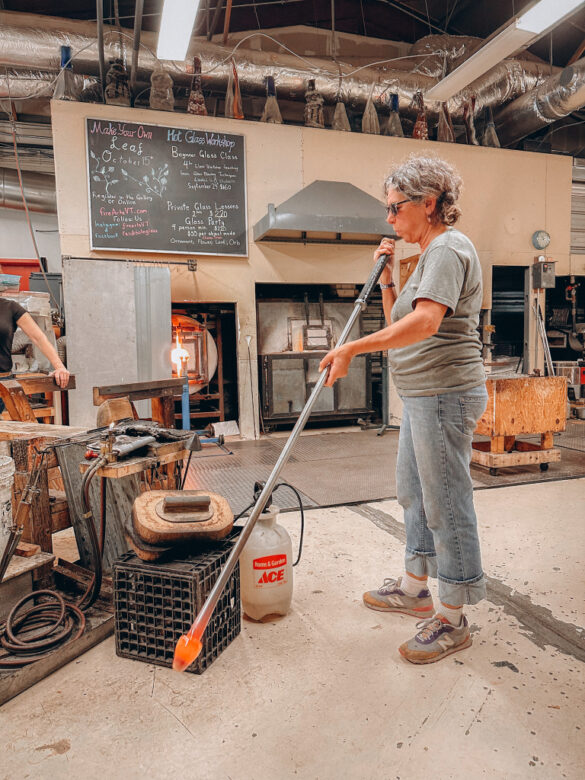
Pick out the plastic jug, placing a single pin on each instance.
(266, 573)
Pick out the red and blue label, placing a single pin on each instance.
(272, 568)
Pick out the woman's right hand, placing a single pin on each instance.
(386, 248)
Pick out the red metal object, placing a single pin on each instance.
(20, 266)
(582, 378)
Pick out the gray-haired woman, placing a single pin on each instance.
(436, 364)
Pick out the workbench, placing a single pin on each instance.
(520, 405)
(21, 441)
(14, 392)
(124, 480)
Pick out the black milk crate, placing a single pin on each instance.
(155, 603)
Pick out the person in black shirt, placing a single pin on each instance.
(13, 316)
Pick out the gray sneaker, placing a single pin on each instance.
(390, 598)
(436, 639)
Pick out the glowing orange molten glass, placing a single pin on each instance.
(179, 356)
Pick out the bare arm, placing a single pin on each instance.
(36, 335)
(421, 323)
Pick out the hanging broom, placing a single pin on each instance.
(490, 137)
(393, 126)
(340, 120)
(196, 104)
(421, 128)
(370, 122)
(271, 111)
(233, 97)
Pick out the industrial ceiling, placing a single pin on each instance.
(395, 20)
(402, 21)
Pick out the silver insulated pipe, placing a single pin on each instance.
(38, 189)
(552, 100)
(27, 38)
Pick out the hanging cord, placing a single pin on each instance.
(300, 500)
(25, 204)
(93, 589)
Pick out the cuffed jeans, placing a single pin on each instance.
(435, 490)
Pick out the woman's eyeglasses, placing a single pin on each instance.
(392, 208)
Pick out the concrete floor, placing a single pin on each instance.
(323, 692)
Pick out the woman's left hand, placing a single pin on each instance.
(338, 361)
(61, 377)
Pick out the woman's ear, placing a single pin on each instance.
(430, 205)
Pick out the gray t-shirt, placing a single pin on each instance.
(450, 361)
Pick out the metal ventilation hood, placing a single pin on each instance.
(326, 212)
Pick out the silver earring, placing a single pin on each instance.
(428, 217)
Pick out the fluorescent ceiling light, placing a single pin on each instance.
(519, 34)
(546, 13)
(176, 27)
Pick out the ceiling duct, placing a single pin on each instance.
(443, 53)
(29, 38)
(38, 189)
(552, 100)
(19, 83)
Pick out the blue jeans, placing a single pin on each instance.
(434, 487)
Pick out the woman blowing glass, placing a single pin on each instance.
(435, 360)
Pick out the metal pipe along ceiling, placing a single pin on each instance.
(552, 100)
(39, 191)
(28, 38)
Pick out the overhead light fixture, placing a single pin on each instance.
(519, 34)
(546, 13)
(176, 27)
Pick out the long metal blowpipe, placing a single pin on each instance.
(189, 645)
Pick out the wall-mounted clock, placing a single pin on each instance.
(540, 239)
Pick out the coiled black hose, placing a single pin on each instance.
(49, 623)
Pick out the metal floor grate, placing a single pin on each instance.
(573, 438)
(350, 467)
(236, 483)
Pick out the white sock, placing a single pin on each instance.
(410, 585)
(453, 614)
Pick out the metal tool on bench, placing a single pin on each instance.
(113, 448)
(121, 440)
(189, 645)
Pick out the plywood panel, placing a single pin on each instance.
(524, 405)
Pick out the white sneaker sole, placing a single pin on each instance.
(468, 642)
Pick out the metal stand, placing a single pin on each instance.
(185, 405)
(385, 410)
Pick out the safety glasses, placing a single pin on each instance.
(392, 208)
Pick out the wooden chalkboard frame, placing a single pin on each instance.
(170, 250)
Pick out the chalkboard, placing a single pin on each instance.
(166, 189)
